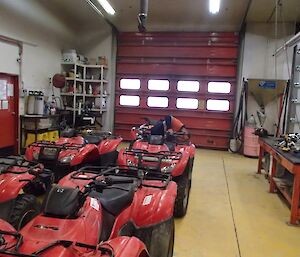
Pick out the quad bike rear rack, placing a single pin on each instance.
(143, 174)
(64, 243)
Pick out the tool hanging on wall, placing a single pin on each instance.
(281, 129)
(236, 140)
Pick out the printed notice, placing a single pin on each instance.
(3, 92)
(4, 105)
(10, 90)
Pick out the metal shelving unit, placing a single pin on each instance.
(93, 75)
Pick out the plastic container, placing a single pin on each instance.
(251, 146)
(30, 103)
(39, 104)
(31, 138)
(53, 135)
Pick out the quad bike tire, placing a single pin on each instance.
(162, 239)
(25, 209)
(184, 183)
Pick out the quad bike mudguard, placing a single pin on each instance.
(20, 182)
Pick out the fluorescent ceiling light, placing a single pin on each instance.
(107, 7)
(214, 6)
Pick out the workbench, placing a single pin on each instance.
(289, 161)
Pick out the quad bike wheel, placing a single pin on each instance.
(184, 183)
(162, 240)
(25, 209)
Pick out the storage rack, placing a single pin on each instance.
(98, 71)
(36, 130)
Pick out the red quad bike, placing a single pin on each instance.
(170, 157)
(72, 151)
(20, 183)
(11, 243)
(95, 205)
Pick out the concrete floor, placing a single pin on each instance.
(231, 213)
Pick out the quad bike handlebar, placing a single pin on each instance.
(141, 174)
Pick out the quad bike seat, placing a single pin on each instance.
(68, 133)
(119, 196)
(93, 139)
(62, 202)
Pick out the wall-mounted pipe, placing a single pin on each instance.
(291, 42)
(142, 16)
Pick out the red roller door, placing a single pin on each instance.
(178, 60)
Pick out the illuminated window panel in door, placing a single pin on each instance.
(158, 84)
(130, 84)
(187, 103)
(129, 100)
(219, 87)
(188, 86)
(217, 105)
(158, 101)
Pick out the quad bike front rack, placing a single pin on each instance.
(65, 146)
(64, 243)
(145, 157)
(24, 165)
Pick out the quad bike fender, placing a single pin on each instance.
(150, 207)
(29, 152)
(11, 185)
(122, 157)
(88, 153)
(180, 167)
(43, 229)
(127, 246)
(191, 149)
(109, 145)
(5, 226)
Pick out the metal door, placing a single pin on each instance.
(8, 111)
(196, 82)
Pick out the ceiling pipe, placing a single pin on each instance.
(291, 42)
(142, 16)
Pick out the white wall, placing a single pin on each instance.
(28, 21)
(257, 62)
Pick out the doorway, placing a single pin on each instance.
(9, 114)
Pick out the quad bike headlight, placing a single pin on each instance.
(35, 155)
(168, 169)
(130, 163)
(67, 159)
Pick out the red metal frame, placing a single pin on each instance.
(202, 57)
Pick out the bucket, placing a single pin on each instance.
(251, 146)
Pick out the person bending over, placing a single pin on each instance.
(170, 125)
